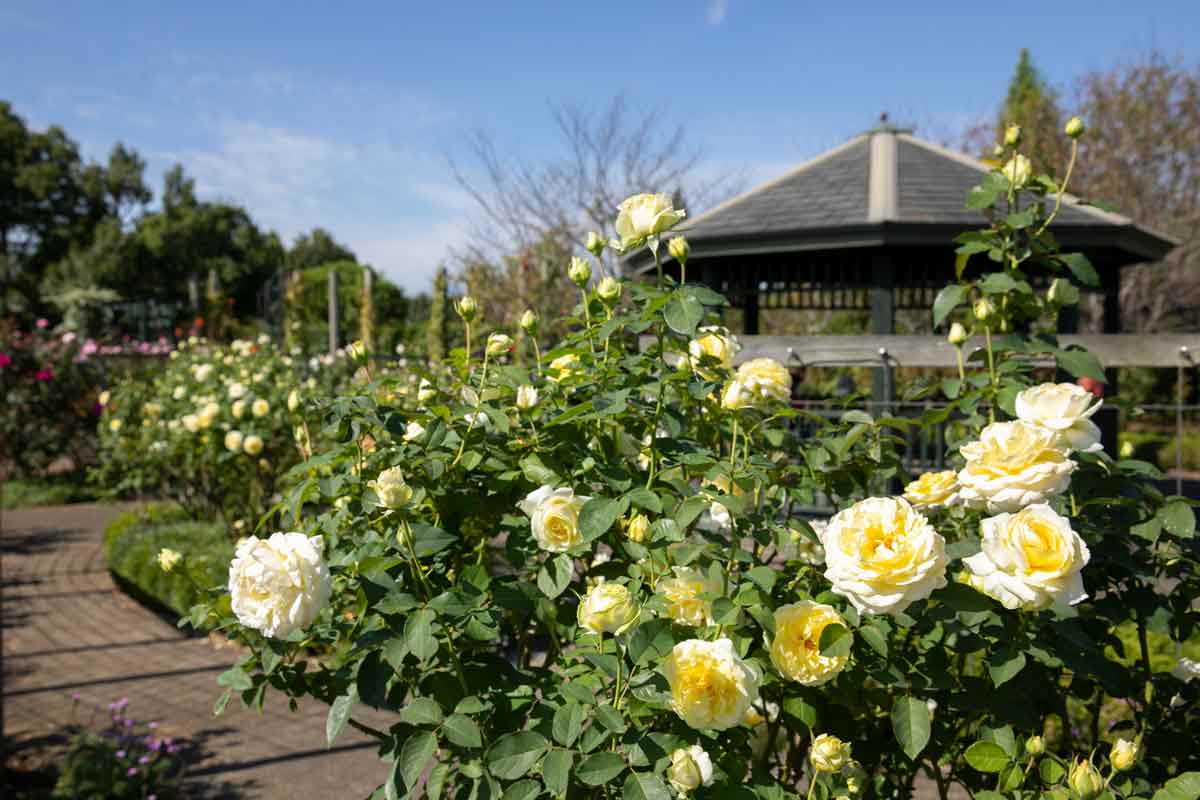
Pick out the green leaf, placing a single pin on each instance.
(568, 723)
(522, 790)
(980, 197)
(436, 782)
(599, 768)
(875, 638)
(986, 757)
(683, 312)
(555, 575)
(556, 770)
(418, 634)
(222, 702)
(1004, 664)
(1051, 771)
(462, 731)
(1081, 268)
(644, 786)
(644, 498)
(961, 597)
(1181, 787)
(1080, 363)
(802, 710)
(339, 715)
(1020, 219)
(515, 754)
(835, 641)
(1178, 518)
(910, 724)
(428, 540)
(598, 515)
(421, 711)
(417, 751)
(946, 301)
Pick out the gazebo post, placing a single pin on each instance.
(750, 312)
(1107, 418)
(883, 322)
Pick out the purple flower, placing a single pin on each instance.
(128, 723)
(124, 701)
(75, 696)
(131, 771)
(152, 725)
(153, 743)
(120, 754)
(144, 760)
(172, 749)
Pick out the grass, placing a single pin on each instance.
(133, 540)
(44, 492)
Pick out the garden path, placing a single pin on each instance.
(67, 629)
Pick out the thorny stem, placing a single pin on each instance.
(987, 335)
(587, 318)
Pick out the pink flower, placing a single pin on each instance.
(5, 360)
(42, 324)
(90, 347)
(44, 375)
(69, 337)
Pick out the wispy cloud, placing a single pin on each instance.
(717, 11)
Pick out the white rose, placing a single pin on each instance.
(238, 409)
(260, 407)
(413, 431)
(527, 397)
(191, 422)
(689, 593)
(237, 390)
(425, 391)
(201, 372)
(498, 344)
(278, 585)
(711, 687)
(1066, 409)
(690, 769)
(1186, 669)
(1029, 559)
(1014, 464)
(883, 555)
(293, 400)
(233, 441)
(1017, 170)
(713, 342)
(253, 445)
(608, 608)
(644, 215)
(554, 517)
(179, 393)
(392, 489)
(933, 489)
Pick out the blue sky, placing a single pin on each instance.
(309, 115)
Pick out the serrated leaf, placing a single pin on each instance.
(1051, 771)
(835, 641)
(522, 790)
(874, 638)
(946, 301)
(910, 724)
(598, 515)
(1178, 518)
(418, 634)
(421, 711)
(1081, 268)
(599, 768)
(1080, 363)
(556, 770)
(515, 754)
(1181, 787)
(644, 786)
(339, 715)
(418, 749)
(428, 540)
(1004, 664)
(986, 757)
(555, 575)
(568, 723)
(683, 312)
(436, 782)
(462, 731)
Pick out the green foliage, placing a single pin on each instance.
(126, 761)
(43, 492)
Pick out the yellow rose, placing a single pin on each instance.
(554, 517)
(639, 528)
(714, 343)
(608, 290)
(644, 215)
(564, 366)
(796, 648)
(1017, 170)
(765, 381)
(1029, 559)
(498, 344)
(1066, 409)
(1124, 755)
(293, 400)
(1014, 464)
(260, 407)
(933, 489)
(392, 489)
(711, 687)
(168, 559)
(883, 555)
(253, 445)
(233, 441)
(690, 769)
(104, 397)
(238, 409)
(829, 753)
(608, 608)
(115, 425)
(735, 396)
(685, 592)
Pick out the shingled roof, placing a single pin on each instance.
(885, 187)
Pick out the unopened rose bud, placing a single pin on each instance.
(579, 271)
(498, 344)
(958, 335)
(1124, 755)
(527, 397)
(529, 322)
(639, 528)
(1085, 780)
(1012, 135)
(1035, 745)
(984, 310)
(609, 290)
(679, 249)
(466, 308)
(595, 243)
(1075, 127)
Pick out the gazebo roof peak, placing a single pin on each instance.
(885, 126)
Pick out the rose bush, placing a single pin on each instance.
(592, 576)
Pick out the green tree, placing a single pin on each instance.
(317, 248)
(1033, 104)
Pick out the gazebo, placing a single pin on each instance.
(869, 226)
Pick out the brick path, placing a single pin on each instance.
(68, 629)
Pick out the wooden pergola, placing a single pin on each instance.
(869, 226)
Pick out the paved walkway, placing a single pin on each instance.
(67, 629)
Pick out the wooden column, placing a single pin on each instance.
(883, 322)
(1108, 418)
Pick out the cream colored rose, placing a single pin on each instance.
(179, 393)
(1017, 170)
(260, 407)
(1124, 755)
(883, 555)
(278, 585)
(238, 409)
(191, 422)
(115, 425)
(554, 517)
(715, 343)
(644, 215)
(237, 390)
(688, 593)
(638, 529)
(796, 648)
(391, 488)
(711, 687)
(608, 608)
(933, 489)
(252, 444)
(690, 769)
(1012, 465)
(829, 753)
(564, 366)
(527, 397)
(168, 559)
(765, 381)
(734, 396)
(498, 344)
(1029, 559)
(293, 400)
(104, 397)
(413, 431)
(201, 372)
(425, 391)
(1066, 409)
(233, 441)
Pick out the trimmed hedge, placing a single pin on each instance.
(43, 492)
(133, 540)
